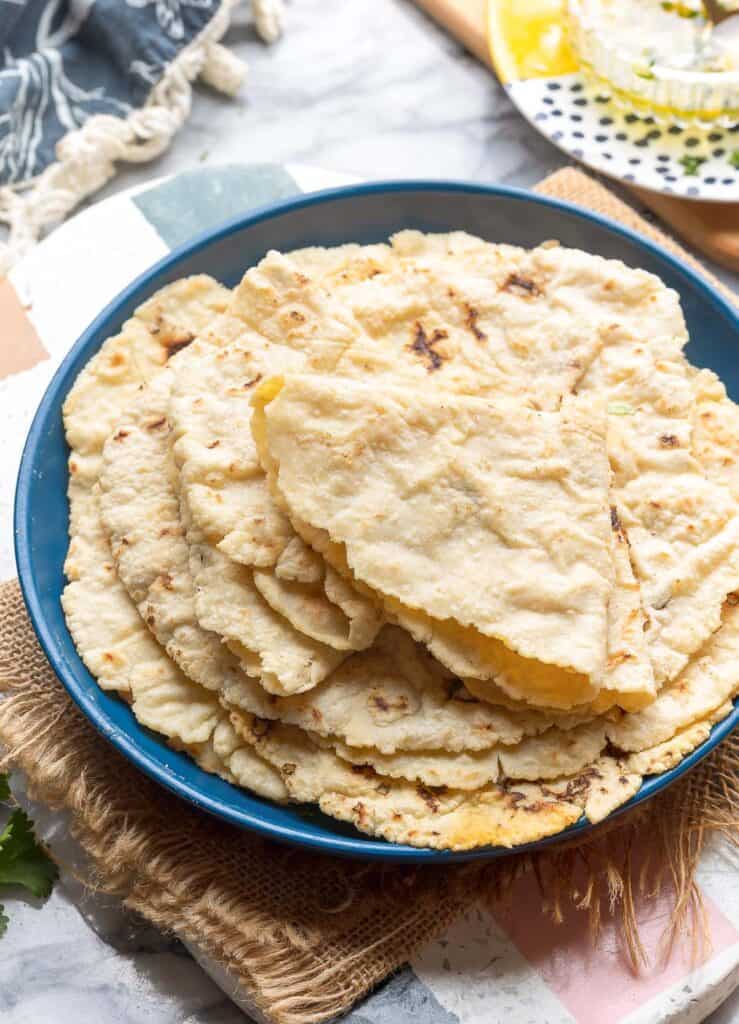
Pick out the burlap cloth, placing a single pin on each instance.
(307, 935)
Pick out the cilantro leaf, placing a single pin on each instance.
(3, 921)
(23, 861)
(692, 163)
(4, 788)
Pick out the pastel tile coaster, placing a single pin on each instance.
(479, 975)
(402, 999)
(597, 984)
(21, 346)
(194, 201)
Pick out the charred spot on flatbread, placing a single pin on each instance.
(423, 345)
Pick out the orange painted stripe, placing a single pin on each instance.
(20, 345)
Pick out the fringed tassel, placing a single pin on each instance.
(86, 159)
(602, 873)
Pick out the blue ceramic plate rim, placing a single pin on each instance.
(302, 835)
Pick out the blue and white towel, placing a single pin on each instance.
(87, 83)
(63, 60)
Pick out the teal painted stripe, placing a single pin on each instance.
(194, 201)
(402, 999)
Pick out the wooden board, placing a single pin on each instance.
(713, 228)
(465, 19)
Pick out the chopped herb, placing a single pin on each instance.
(734, 159)
(692, 163)
(682, 10)
(649, 60)
(620, 409)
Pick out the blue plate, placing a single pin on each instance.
(364, 213)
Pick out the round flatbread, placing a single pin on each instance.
(395, 697)
(110, 636)
(438, 818)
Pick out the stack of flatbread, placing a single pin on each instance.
(440, 535)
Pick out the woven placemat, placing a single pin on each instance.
(307, 935)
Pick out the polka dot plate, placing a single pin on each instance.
(588, 125)
(531, 54)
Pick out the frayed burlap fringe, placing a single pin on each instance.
(308, 935)
(86, 158)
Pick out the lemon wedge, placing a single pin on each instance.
(528, 39)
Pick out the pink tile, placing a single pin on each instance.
(597, 984)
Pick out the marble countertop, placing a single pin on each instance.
(370, 88)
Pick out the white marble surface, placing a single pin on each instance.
(82, 957)
(367, 87)
(371, 88)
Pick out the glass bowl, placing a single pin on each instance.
(660, 56)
